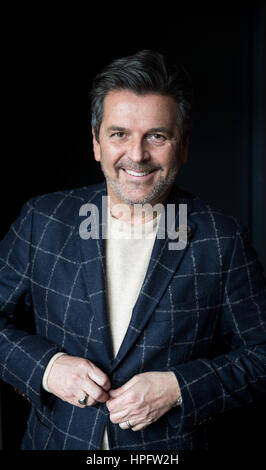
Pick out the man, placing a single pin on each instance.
(136, 345)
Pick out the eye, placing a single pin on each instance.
(157, 137)
(118, 135)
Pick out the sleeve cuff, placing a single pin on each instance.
(47, 370)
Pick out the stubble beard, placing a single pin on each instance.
(157, 192)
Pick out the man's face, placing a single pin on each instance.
(139, 146)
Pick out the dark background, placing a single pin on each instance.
(48, 62)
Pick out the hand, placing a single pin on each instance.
(71, 378)
(143, 399)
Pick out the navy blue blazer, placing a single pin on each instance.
(201, 313)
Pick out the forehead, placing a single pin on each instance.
(149, 108)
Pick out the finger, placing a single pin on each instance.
(117, 418)
(127, 397)
(120, 403)
(139, 427)
(99, 377)
(90, 401)
(125, 426)
(94, 391)
(115, 393)
(75, 402)
(135, 426)
(120, 390)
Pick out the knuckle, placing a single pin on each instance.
(104, 381)
(82, 365)
(100, 380)
(133, 397)
(112, 419)
(72, 378)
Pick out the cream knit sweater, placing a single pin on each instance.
(128, 251)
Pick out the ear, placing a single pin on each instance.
(96, 147)
(184, 153)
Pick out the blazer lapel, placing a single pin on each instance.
(93, 260)
(162, 266)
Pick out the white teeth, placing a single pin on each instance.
(134, 173)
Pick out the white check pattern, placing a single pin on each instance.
(201, 313)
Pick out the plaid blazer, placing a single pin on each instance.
(201, 313)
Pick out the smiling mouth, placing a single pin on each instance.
(137, 173)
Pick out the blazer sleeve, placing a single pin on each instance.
(23, 355)
(236, 377)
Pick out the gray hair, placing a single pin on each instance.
(142, 73)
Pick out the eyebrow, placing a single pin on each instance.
(159, 129)
(149, 131)
(116, 128)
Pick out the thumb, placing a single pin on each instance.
(118, 391)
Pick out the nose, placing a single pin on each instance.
(138, 152)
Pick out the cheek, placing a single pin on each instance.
(111, 155)
(168, 160)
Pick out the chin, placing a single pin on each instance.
(137, 199)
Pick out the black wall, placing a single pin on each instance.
(48, 67)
